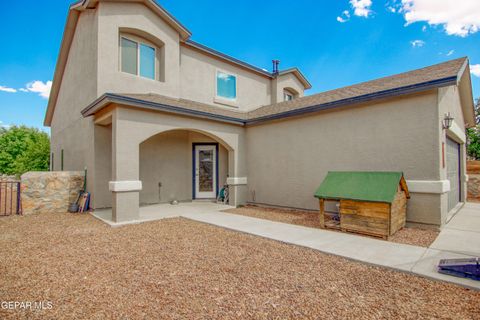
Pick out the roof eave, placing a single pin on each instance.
(67, 39)
(307, 85)
(464, 83)
(109, 98)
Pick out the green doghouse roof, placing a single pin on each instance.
(363, 186)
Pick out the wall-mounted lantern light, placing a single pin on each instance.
(447, 121)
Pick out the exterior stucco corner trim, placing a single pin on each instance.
(236, 181)
(456, 133)
(427, 186)
(125, 186)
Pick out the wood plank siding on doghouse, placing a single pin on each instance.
(372, 203)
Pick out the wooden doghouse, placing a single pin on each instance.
(372, 203)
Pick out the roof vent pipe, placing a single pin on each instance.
(275, 66)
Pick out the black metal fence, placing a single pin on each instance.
(10, 200)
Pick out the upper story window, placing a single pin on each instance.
(226, 85)
(138, 58)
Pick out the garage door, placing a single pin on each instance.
(453, 173)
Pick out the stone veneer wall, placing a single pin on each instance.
(50, 191)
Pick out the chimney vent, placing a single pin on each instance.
(275, 66)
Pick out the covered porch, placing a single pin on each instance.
(144, 158)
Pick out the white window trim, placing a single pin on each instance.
(138, 42)
(223, 100)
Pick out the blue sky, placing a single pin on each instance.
(334, 43)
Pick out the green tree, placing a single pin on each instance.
(473, 135)
(23, 149)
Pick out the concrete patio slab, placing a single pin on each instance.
(162, 211)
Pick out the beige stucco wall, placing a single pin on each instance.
(69, 130)
(198, 82)
(167, 159)
(131, 127)
(112, 17)
(287, 160)
(449, 101)
(285, 81)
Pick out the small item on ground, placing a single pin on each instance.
(82, 204)
(416, 236)
(463, 268)
(371, 203)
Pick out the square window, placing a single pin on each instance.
(226, 85)
(147, 61)
(287, 97)
(129, 56)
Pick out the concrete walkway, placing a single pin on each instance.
(460, 238)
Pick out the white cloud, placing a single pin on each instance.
(40, 87)
(7, 89)
(417, 43)
(361, 8)
(475, 70)
(344, 17)
(449, 53)
(459, 18)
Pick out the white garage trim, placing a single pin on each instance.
(427, 186)
(235, 181)
(124, 186)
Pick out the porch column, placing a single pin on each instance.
(125, 185)
(237, 180)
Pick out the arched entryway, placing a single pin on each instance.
(182, 165)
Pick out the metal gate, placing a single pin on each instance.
(10, 200)
(453, 173)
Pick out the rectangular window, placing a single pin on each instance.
(129, 56)
(147, 61)
(287, 97)
(226, 86)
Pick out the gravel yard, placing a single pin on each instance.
(180, 269)
(414, 236)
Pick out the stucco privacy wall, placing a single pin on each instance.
(70, 131)
(131, 127)
(167, 159)
(287, 160)
(50, 192)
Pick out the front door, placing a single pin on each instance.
(205, 164)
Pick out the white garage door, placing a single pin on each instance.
(453, 173)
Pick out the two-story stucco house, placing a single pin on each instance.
(157, 117)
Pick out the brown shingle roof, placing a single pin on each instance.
(438, 75)
(431, 74)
